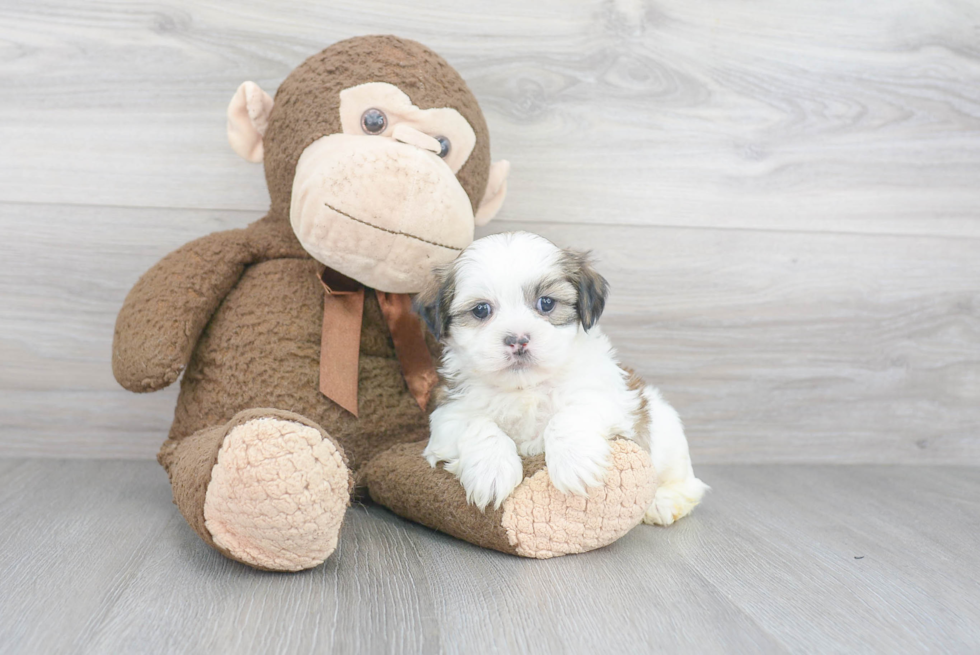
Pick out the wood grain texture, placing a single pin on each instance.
(95, 559)
(774, 346)
(840, 116)
(784, 196)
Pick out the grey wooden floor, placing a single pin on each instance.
(94, 559)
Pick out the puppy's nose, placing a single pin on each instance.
(518, 343)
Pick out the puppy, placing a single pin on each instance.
(526, 370)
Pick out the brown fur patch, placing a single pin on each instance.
(641, 415)
(592, 288)
(466, 319)
(434, 302)
(563, 292)
(441, 393)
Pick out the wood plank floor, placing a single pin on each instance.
(95, 559)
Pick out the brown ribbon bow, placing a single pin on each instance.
(340, 341)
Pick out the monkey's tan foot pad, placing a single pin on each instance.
(536, 520)
(277, 496)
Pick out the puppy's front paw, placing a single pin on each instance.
(532, 448)
(489, 471)
(576, 463)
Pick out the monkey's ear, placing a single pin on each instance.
(493, 198)
(248, 118)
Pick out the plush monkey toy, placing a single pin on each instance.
(305, 377)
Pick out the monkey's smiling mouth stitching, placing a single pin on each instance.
(395, 232)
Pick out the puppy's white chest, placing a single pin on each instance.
(523, 415)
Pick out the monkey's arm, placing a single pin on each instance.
(165, 312)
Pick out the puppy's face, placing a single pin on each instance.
(512, 304)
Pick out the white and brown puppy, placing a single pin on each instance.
(526, 370)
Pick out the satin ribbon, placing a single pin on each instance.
(413, 355)
(340, 341)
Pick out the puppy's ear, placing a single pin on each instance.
(591, 287)
(434, 301)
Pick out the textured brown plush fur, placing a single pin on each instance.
(308, 105)
(240, 314)
(390, 474)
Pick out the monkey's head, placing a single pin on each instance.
(377, 154)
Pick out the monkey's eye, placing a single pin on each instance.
(481, 310)
(374, 121)
(546, 304)
(444, 142)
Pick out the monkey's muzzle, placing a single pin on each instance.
(378, 210)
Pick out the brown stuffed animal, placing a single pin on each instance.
(304, 375)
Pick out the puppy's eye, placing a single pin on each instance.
(374, 121)
(481, 311)
(444, 144)
(546, 304)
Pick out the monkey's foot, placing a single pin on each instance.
(536, 520)
(277, 493)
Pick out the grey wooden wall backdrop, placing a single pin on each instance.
(784, 194)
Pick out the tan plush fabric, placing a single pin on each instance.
(542, 522)
(398, 107)
(191, 462)
(387, 240)
(277, 496)
(248, 118)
